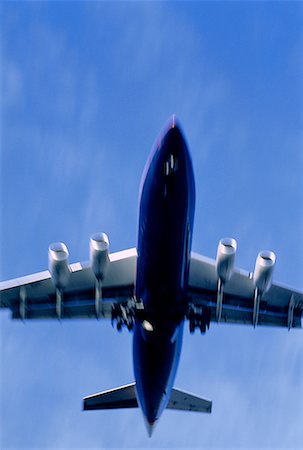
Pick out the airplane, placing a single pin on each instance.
(155, 288)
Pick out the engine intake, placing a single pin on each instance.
(58, 264)
(264, 268)
(225, 260)
(99, 259)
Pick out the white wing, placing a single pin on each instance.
(280, 306)
(34, 296)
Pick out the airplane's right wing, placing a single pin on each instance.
(279, 306)
(35, 297)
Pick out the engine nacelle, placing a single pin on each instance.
(225, 261)
(264, 268)
(58, 264)
(98, 252)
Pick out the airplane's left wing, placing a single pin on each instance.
(35, 297)
(239, 300)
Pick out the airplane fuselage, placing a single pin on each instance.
(166, 214)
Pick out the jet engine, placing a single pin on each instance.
(225, 260)
(58, 264)
(264, 270)
(99, 259)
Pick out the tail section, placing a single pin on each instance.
(187, 402)
(121, 397)
(125, 397)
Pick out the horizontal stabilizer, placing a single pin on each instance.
(121, 397)
(125, 397)
(188, 402)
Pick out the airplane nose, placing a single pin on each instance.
(173, 131)
(172, 145)
(173, 122)
(169, 159)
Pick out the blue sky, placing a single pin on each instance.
(86, 88)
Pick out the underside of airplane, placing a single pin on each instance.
(157, 287)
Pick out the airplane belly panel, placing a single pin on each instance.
(166, 211)
(156, 356)
(165, 227)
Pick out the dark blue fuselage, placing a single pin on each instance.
(166, 213)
